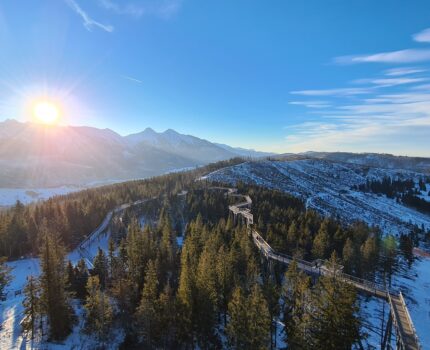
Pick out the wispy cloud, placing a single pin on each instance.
(88, 22)
(400, 56)
(425, 87)
(423, 36)
(394, 72)
(333, 92)
(386, 123)
(387, 82)
(139, 8)
(131, 79)
(311, 104)
(388, 114)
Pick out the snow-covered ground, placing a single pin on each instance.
(11, 310)
(416, 288)
(415, 284)
(328, 188)
(9, 196)
(425, 194)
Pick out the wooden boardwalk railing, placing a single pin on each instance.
(406, 335)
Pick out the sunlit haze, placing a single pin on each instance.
(225, 174)
(285, 77)
(46, 112)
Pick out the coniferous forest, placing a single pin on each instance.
(215, 290)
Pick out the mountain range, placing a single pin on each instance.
(34, 155)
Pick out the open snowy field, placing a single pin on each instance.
(9, 196)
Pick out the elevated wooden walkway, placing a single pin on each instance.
(406, 335)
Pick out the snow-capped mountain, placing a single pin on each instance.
(329, 187)
(187, 146)
(249, 153)
(32, 155)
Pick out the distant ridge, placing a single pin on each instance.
(33, 155)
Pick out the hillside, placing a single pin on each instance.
(328, 187)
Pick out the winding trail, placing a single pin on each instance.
(406, 335)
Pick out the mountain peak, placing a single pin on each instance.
(171, 132)
(149, 130)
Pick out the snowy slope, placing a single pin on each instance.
(11, 310)
(327, 187)
(9, 196)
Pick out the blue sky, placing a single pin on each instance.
(284, 76)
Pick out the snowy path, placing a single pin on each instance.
(11, 310)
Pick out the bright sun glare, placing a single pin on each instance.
(46, 112)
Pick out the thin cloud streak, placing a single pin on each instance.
(334, 92)
(87, 20)
(403, 71)
(387, 82)
(161, 8)
(131, 79)
(400, 56)
(311, 104)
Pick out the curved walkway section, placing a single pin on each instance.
(405, 331)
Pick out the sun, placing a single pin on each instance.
(46, 112)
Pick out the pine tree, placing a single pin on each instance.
(70, 277)
(207, 299)
(186, 298)
(224, 272)
(259, 321)
(296, 292)
(168, 248)
(349, 256)
(321, 242)
(336, 324)
(146, 314)
(100, 269)
(5, 277)
(99, 312)
(112, 262)
(292, 237)
(271, 293)
(389, 254)
(369, 252)
(166, 318)
(237, 327)
(54, 298)
(31, 305)
(137, 257)
(80, 279)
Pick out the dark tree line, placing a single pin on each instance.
(391, 188)
(291, 229)
(214, 292)
(75, 215)
(416, 202)
(404, 191)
